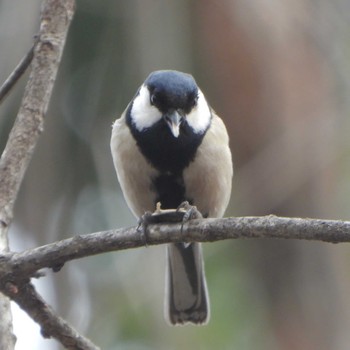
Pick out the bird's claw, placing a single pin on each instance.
(143, 223)
(184, 212)
(190, 213)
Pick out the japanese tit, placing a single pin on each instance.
(169, 146)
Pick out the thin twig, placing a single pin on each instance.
(22, 66)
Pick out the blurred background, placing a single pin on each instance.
(278, 73)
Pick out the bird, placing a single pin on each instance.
(169, 146)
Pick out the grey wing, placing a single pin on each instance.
(208, 179)
(134, 172)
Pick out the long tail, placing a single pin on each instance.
(186, 297)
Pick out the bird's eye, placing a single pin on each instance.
(195, 100)
(153, 99)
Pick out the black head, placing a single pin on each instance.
(172, 90)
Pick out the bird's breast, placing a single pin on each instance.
(168, 154)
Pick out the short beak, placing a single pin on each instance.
(173, 119)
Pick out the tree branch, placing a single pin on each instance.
(56, 16)
(19, 266)
(7, 338)
(51, 325)
(55, 19)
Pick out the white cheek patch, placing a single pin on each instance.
(199, 118)
(143, 114)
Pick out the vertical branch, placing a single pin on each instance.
(56, 17)
(7, 338)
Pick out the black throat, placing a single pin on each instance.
(169, 155)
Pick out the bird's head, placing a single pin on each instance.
(173, 98)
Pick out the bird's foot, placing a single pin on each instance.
(145, 220)
(182, 214)
(190, 213)
(158, 216)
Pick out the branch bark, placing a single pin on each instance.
(56, 16)
(55, 19)
(51, 325)
(18, 266)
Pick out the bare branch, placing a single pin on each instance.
(7, 338)
(53, 326)
(17, 266)
(22, 66)
(55, 19)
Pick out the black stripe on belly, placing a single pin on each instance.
(170, 190)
